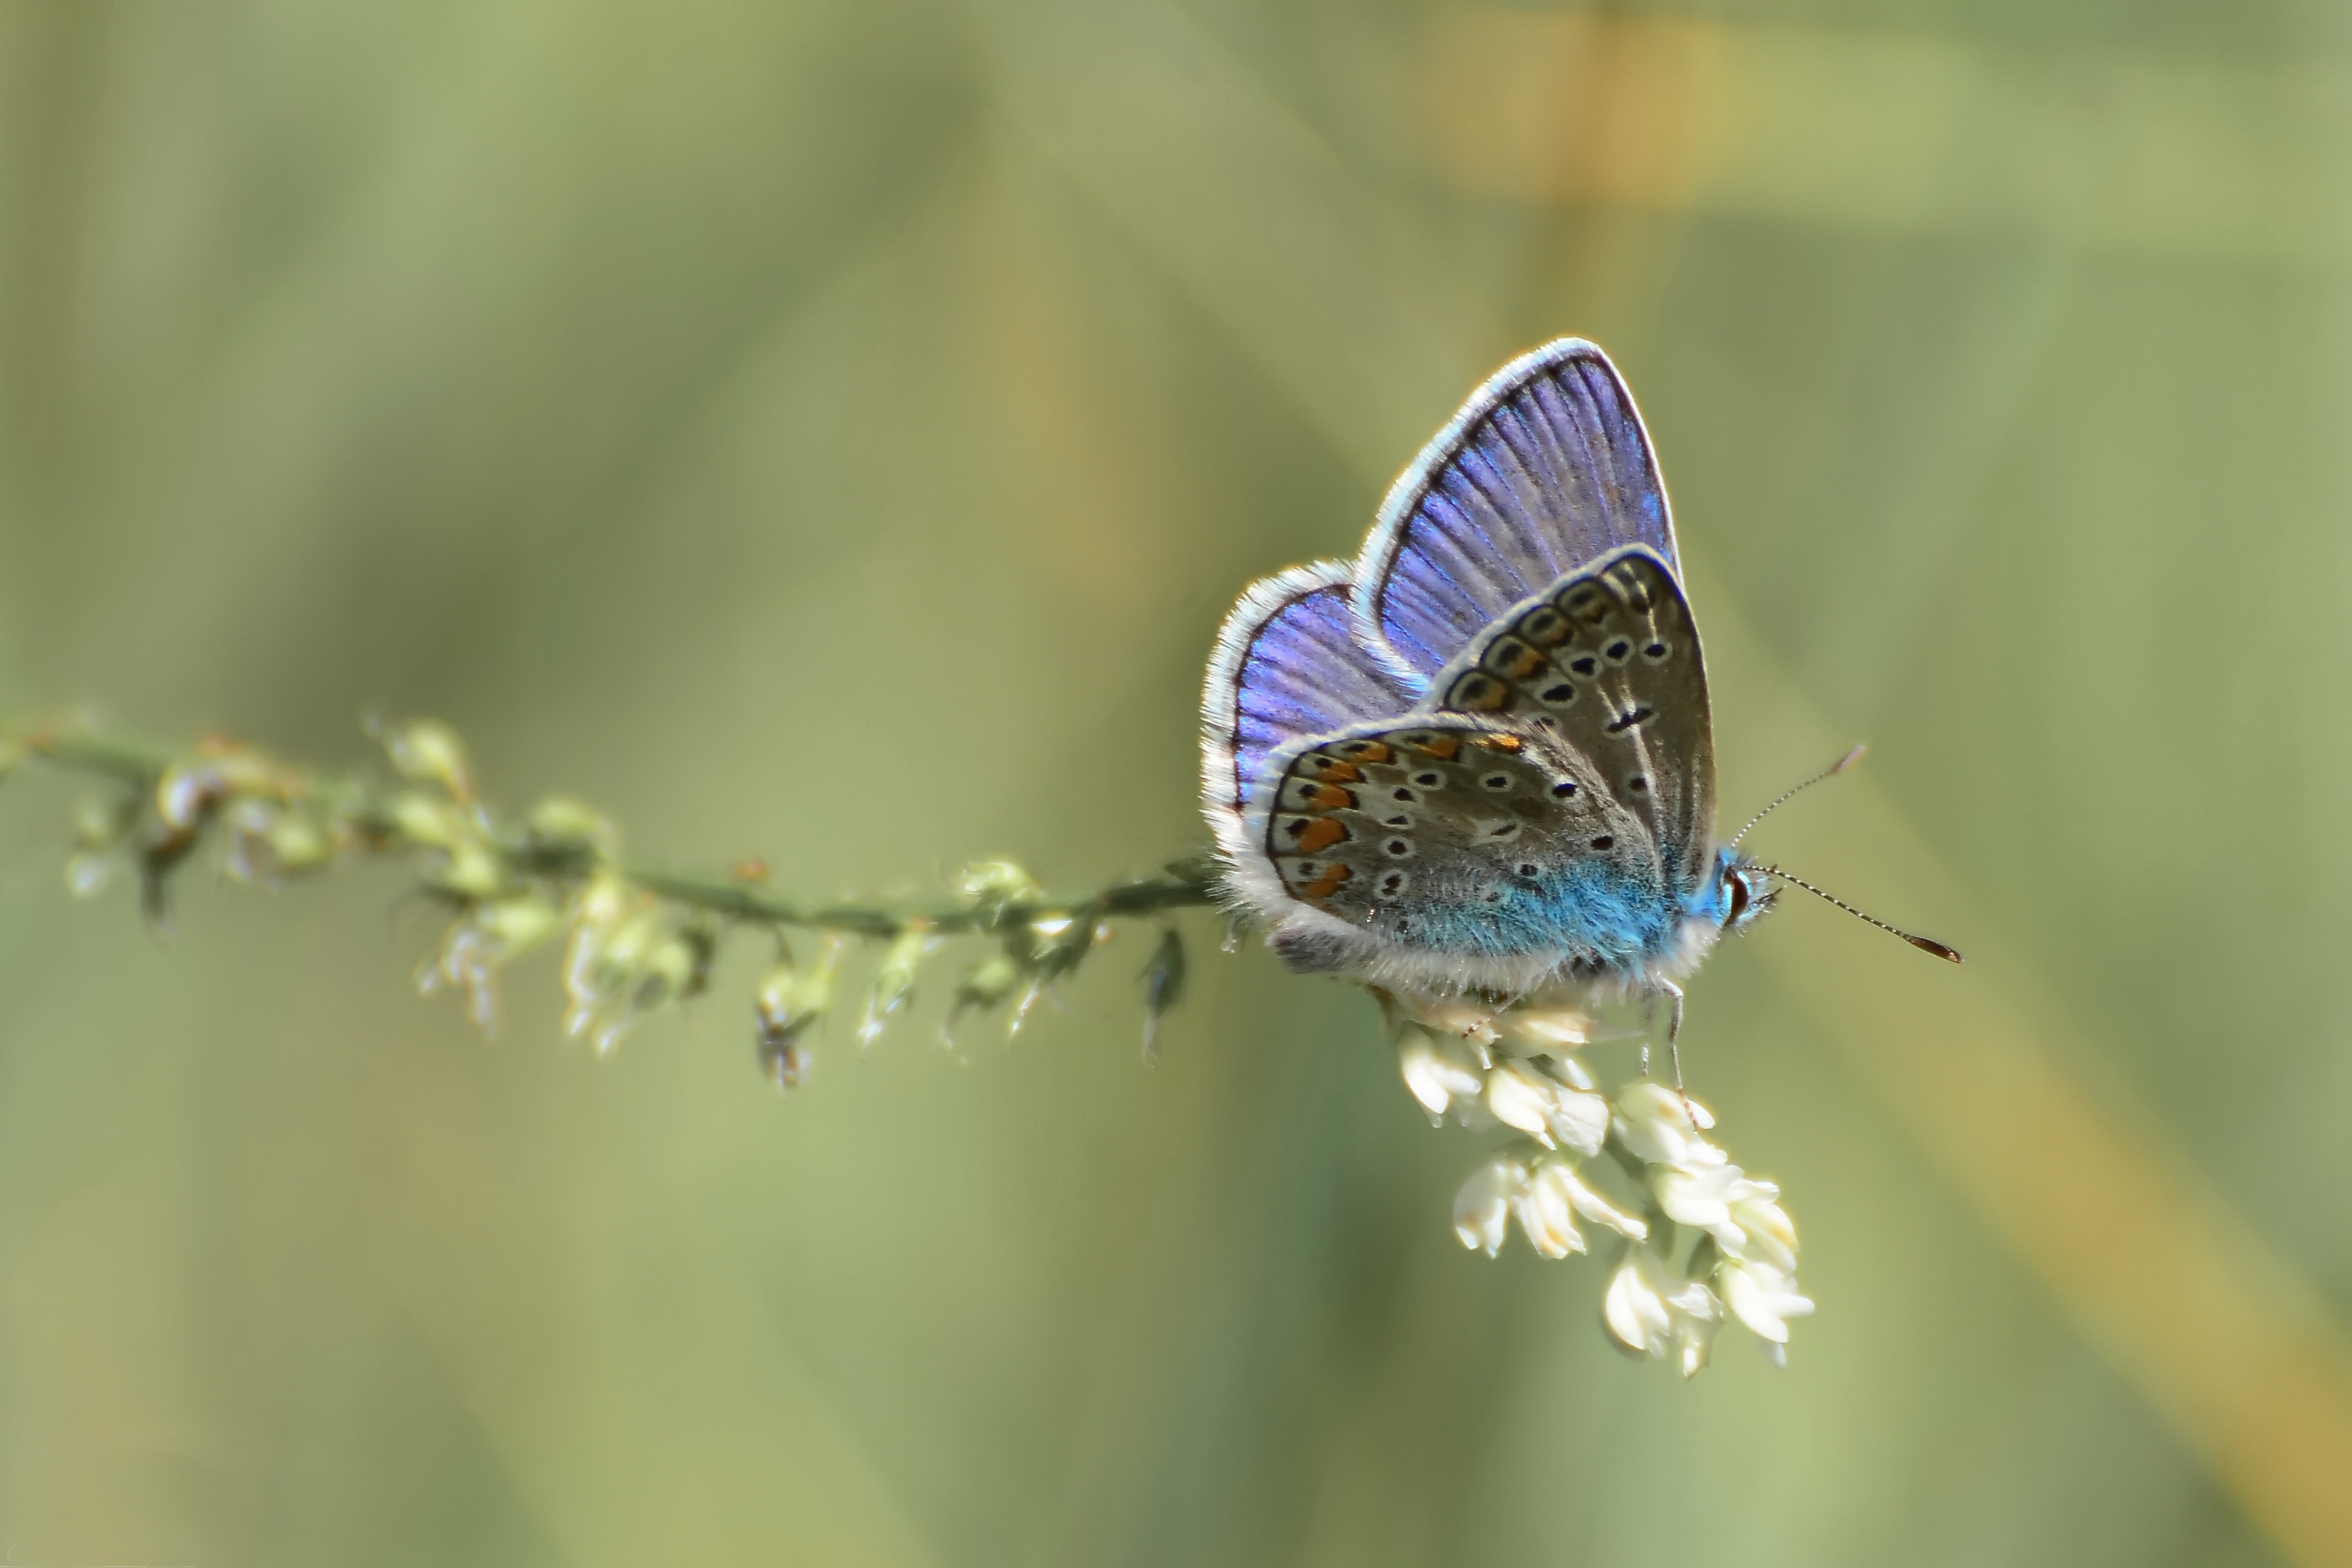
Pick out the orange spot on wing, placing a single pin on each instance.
(1339, 773)
(1516, 659)
(1445, 748)
(1331, 797)
(1319, 835)
(1501, 743)
(1323, 886)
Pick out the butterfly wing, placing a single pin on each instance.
(1287, 665)
(1458, 836)
(1544, 468)
(1607, 660)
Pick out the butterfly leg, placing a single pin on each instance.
(1673, 1034)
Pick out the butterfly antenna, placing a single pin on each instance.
(1923, 944)
(1830, 771)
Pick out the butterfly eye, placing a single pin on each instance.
(1738, 887)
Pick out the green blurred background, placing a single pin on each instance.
(831, 431)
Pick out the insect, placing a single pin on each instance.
(1478, 759)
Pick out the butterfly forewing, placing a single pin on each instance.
(1608, 661)
(1546, 467)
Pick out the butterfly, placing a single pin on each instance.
(1479, 758)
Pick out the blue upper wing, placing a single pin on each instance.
(1287, 665)
(1546, 467)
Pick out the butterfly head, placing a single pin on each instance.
(1739, 890)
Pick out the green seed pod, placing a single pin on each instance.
(989, 983)
(429, 820)
(1163, 986)
(428, 749)
(790, 1000)
(471, 870)
(299, 841)
(560, 820)
(894, 980)
(997, 882)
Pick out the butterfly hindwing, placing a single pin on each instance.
(1544, 468)
(1608, 660)
(1457, 835)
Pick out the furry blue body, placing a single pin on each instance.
(1587, 913)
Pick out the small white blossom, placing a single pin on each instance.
(1481, 1209)
(1547, 1110)
(1764, 1298)
(1519, 1097)
(1663, 1126)
(1554, 1029)
(1546, 1213)
(1587, 1201)
(1452, 1016)
(1703, 1196)
(1438, 1072)
(1579, 1120)
(1656, 1312)
(1767, 1234)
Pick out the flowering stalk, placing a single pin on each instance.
(1698, 1239)
(635, 937)
(1698, 1242)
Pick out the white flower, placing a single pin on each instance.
(1703, 1196)
(1767, 1234)
(1481, 1209)
(1663, 1126)
(1452, 1017)
(1589, 1202)
(1763, 1297)
(1546, 1212)
(1545, 1110)
(1579, 1120)
(1552, 1030)
(1656, 1312)
(1438, 1072)
(1521, 1098)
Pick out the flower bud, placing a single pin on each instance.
(1652, 1312)
(1588, 1201)
(1519, 1098)
(1437, 1071)
(1662, 1126)
(1163, 986)
(1545, 1029)
(894, 980)
(559, 819)
(429, 820)
(997, 882)
(1545, 1214)
(1452, 1016)
(1482, 1208)
(1763, 1298)
(428, 749)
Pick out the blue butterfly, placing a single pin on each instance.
(1479, 759)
